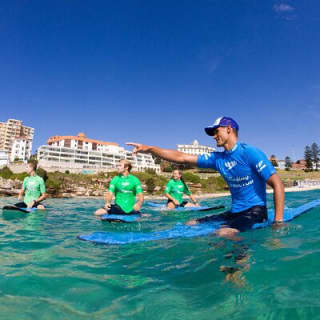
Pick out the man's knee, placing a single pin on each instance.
(171, 205)
(100, 212)
(227, 232)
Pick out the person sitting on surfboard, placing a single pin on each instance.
(125, 187)
(174, 191)
(246, 170)
(33, 188)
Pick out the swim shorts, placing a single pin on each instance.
(182, 204)
(23, 205)
(241, 221)
(115, 209)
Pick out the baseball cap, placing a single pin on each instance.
(221, 122)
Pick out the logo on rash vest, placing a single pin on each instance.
(230, 164)
(32, 185)
(260, 166)
(125, 184)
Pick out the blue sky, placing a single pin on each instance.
(158, 72)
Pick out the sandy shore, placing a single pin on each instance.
(295, 189)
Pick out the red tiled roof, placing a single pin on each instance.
(80, 137)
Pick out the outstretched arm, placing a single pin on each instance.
(278, 196)
(166, 154)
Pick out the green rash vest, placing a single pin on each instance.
(176, 189)
(33, 187)
(125, 189)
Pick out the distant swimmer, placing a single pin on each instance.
(33, 188)
(126, 188)
(246, 170)
(174, 191)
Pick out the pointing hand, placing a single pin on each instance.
(138, 147)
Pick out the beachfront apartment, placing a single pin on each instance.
(4, 158)
(195, 148)
(21, 149)
(12, 132)
(81, 154)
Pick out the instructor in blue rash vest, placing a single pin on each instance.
(246, 170)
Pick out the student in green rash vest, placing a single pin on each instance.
(33, 188)
(126, 188)
(174, 191)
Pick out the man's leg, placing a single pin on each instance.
(191, 204)
(215, 217)
(228, 233)
(101, 211)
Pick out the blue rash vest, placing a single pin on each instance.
(246, 170)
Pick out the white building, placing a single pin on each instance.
(21, 149)
(281, 164)
(3, 158)
(11, 130)
(78, 153)
(195, 148)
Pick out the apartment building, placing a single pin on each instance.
(79, 153)
(12, 134)
(195, 148)
(3, 158)
(21, 149)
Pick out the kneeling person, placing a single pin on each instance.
(125, 187)
(34, 189)
(174, 191)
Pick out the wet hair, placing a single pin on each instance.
(33, 165)
(127, 164)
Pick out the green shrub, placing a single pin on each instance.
(42, 173)
(6, 173)
(167, 169)
(112, 174)
(20, 176)
(206, 170)
(150, 185)
(161, 181)
(150, 171)
(214, 184)
(190, 177)
(54, 185)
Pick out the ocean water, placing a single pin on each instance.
(47, 273)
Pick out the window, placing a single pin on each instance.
(67, 143)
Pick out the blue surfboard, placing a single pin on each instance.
(120, 217)
(201, 208)
(181, 230)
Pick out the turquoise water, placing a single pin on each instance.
(46, 273)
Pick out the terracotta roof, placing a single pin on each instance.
(81, 137)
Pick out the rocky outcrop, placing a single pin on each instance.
(9, 187)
